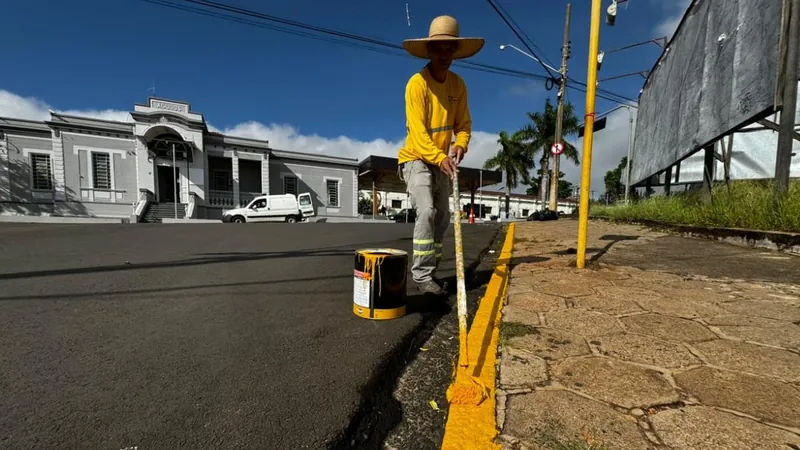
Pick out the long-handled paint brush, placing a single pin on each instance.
(471, 391)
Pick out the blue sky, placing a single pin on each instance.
(99, 57)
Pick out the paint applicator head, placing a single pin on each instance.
(470, 391)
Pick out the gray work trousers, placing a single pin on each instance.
(429, 189)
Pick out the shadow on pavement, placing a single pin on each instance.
(94, 295)
(203, 259)
(515, 261)
(574, 251)
(684, 256)
(427, 305)
(598, 252)
(614, 239)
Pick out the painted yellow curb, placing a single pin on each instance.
(473, 425)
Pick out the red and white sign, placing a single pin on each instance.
(557, 148)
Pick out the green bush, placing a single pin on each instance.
(748, 204)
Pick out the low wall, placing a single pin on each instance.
(68, 209)
(14, 218)
(165, 220)
(333, 219)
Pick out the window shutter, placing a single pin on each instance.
(290, 185)
(333, 193)
(101, 170)
(42, 172)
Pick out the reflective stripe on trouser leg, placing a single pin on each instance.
(419, 184)
(424, 248)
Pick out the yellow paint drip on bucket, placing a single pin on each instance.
(379, 283)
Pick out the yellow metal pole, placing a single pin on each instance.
(591, 85)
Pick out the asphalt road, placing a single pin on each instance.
(191, 336)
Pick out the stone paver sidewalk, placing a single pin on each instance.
(665, 342)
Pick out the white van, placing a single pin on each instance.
(273, 208)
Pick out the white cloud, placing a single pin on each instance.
(609, 147)
(15, 106)
(287, 137)
(610, 144)
(675, 11)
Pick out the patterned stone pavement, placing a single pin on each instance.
(664, 343)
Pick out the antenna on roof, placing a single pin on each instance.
(408, 16)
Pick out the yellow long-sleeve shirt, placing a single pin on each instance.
(434, 111)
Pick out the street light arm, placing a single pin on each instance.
(638, 44)
(503, 47)
(632, 74)
(630, 109)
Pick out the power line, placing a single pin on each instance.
(599, 95)
(335, 37)
(523, 33)
(617, 97)
(499, 13)
(203, 12)
(360, 42)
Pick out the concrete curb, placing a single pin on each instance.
(347, 220)
(779, 241)
(475, 426)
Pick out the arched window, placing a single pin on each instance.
(161, 145)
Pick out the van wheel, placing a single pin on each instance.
(291, 219)
(238, 219)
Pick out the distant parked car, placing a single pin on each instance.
(545, 214)
(273, 208)
(400, 216)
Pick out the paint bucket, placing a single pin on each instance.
(379, 283)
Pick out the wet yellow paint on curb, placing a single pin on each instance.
(471, 426)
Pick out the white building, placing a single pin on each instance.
(494, 203)
(165, 159)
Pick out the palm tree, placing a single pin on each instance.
(513, 160)
(539, 136)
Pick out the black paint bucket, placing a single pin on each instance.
(379, 283)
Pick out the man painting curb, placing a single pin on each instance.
(436, 107)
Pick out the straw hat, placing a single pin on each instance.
(444, 28)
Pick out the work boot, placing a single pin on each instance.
(442, 284)
(430, 287)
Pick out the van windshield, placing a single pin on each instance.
(305, 201)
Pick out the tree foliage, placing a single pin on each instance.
(615, 187)
(512, 160)
(519, 151)
(364, 204)
(539, 135)
(565, 188)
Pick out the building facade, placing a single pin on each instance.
(493, 203)
(165, 159)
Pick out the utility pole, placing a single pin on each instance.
(786, 134)
(630, 155)
(565, 51)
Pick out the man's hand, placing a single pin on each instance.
(457, 153)
(448, 166)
